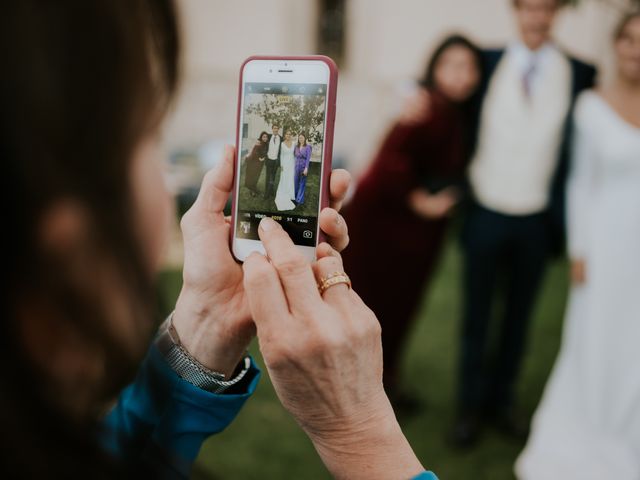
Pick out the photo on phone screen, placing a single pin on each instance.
(281, 152)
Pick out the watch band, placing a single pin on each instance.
(190, 369)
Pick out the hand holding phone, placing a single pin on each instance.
(212, 315)
(286, 113)
(324, 357)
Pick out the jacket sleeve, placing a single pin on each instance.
(307, 156)
(255, 152)
(392, 171)
(583, 78)
(161, 420)
(425, 476)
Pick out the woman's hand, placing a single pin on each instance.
(324, 357)
(578, 271)
(434, 206)
(305, 172)
(416, 108)
(212, 315)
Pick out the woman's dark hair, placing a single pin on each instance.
(456, 40)
(470, 107)
(82, 83)
(619, 31)
(263, 134)
(305, 139)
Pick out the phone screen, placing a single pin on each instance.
(280, 161)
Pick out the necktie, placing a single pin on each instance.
(527, 78)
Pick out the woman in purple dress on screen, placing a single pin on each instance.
(303, 157)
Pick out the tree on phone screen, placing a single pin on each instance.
(300, 113)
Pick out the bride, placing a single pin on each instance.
(286, 192)
(588, 424)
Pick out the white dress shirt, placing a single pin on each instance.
(521, 132)
(274, 146)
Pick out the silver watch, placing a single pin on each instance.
(190, 369)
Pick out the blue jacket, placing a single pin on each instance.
(161, 420)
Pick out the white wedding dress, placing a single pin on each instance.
(588, 423)
(286, 192)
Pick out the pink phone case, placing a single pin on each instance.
(327, 152)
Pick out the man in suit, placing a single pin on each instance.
(517, 178)
(273, 162)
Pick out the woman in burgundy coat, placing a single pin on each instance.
(255, 162)
(402, 205)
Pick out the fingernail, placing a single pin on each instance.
(338, 220)
(267, 224)
(254, 254)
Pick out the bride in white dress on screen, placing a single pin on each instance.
(286, 192)
(588, 423)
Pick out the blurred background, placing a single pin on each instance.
(381, 47)
(378, 45)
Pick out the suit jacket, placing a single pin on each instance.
(582, 78)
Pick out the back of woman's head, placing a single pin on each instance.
(83, 82)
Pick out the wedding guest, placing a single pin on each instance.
(254, 163)
(517, 177)
(588, 423)
(303, 158)
(273, 162)
(400, 211)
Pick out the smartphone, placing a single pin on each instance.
(284, 144)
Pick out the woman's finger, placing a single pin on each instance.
(338, 186)
(207, 212)
(293, 268)
(329, 268)
(334, 226)
(325, 250)
(217, 184)
(266, 298)
(417, 108)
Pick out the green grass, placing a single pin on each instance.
(308, 208)
(265, 443)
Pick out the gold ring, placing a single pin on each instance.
(335, 278)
